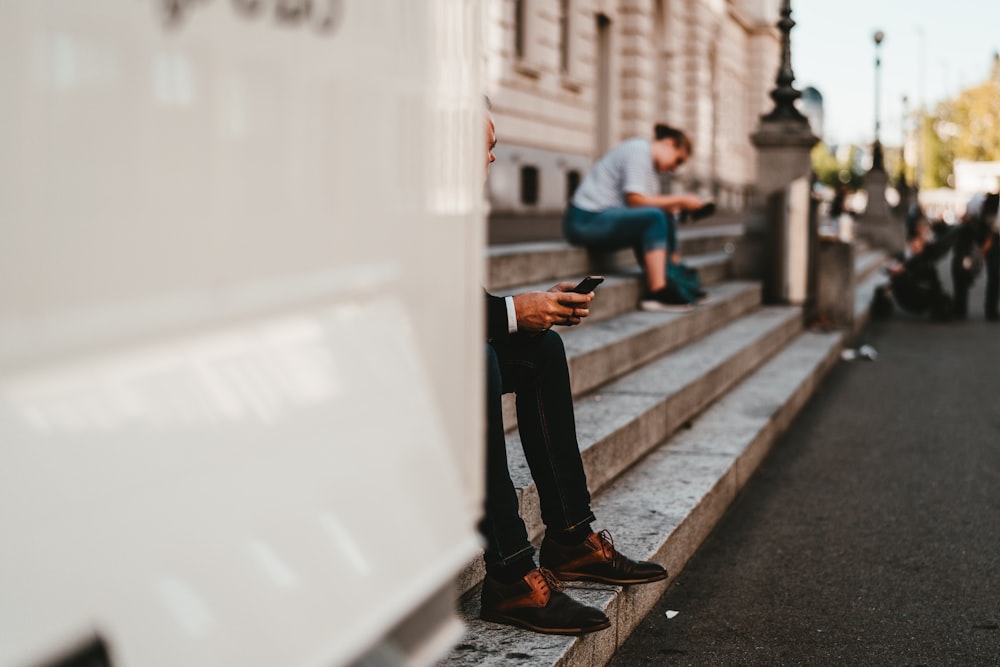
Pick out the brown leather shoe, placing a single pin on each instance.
(596, 559)
(537, 603)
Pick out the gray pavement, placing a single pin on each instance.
(871, 534)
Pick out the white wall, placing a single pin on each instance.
(240, 326)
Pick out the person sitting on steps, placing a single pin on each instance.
(524, 356)
(619, 205)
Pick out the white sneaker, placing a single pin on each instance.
(665, 300)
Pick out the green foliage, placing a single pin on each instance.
(938, 157)
(831, 171)
(965, 128)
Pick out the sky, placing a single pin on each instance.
(932, 50)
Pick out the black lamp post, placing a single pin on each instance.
(784, 93)
(878, 163)
(905, 140)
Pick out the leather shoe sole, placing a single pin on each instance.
(618, 581)
(498, 617)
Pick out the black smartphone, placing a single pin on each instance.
(707, 209)
(587, 285)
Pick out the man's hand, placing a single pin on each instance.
(689, 202)
(537, 311)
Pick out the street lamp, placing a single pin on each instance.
(877, 160)
(918, 172)
(904, 134)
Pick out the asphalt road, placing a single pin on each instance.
(871, 534)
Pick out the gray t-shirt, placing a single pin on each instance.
(625, 168)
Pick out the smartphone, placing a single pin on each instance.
(707, 209)
(587, 285)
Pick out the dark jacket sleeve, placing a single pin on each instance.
(496, 318)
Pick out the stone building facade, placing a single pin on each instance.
(569, 79)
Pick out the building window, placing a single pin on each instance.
(529, 185)
(572, 183)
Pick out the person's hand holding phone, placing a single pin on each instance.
(538, 311)
(588, 284)
(706, 209)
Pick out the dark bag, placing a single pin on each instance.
(686, 280)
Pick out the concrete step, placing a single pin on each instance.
(601, 351)
(863, 292)
(547, 261)
(508, 228)
(661, 501)
(868, 261)
(621, 290)
(664, 507)
(623, 420)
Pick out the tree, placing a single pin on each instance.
(831, 171)
(964, 128)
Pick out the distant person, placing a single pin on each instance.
(975, 244)
(991, 255)
(914, 216)
(838, 206)
(913, 279)
(524, 356)
(619, 205)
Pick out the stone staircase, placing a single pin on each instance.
(674, 413)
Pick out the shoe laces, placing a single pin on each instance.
(550, 579)
(608, 546)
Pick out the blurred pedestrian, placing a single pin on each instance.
(619, 205)
(975, 244)
(913, 279)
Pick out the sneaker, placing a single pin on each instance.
(596, 559)
(537, 603)
(667, 300)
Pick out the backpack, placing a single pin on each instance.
(686, 280)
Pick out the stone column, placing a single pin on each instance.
(877, 225)
(783, 141)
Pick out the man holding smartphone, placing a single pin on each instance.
(523, 355)
(619, 205)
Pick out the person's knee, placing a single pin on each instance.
(657, 232)
(550, 346)
(656, 217)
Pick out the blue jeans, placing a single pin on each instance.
(534, 367)
(640, 228)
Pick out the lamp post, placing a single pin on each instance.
(877, 159)
(905, 137)
(919, 170)
(784, 93)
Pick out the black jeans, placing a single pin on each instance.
(534, 367)
(961, 280)
(993, 277)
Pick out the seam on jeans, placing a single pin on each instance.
(517, 555)
(506, 560)
(590, 518)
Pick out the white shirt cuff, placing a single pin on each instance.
(511, 315)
